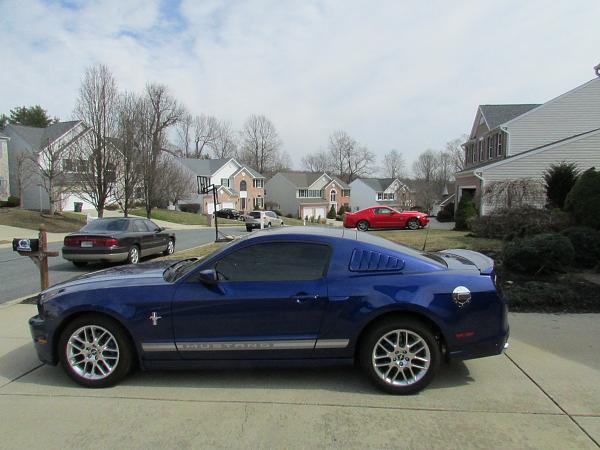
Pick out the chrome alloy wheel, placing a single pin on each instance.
(401, 357)
(92, 352)
(134, 255)
(170, 247)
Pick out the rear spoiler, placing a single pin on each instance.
(485, 264)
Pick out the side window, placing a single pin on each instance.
(382, 211)
(139, 226)
(275, 261)
(150, 225)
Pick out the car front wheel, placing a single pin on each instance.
(413, 224)
(95, 351)
(363, 225)
(170, 248)
(400, 356)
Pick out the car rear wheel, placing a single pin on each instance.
(79, 263)
(400, 356)
(362, 225)
(170, 248)
(95, 351)
(413, 224)
(133, 256)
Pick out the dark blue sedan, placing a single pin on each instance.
(285, 297)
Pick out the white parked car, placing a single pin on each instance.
(270, 219)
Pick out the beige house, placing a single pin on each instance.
(511, 142)
(238, 186)
(4, 168)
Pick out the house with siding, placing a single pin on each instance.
(510, 142)
(238, 186)
(391, 192)
(4, 168)
(28, 142)
(307, 194)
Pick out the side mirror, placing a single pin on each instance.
(208, 277)
(159, 229)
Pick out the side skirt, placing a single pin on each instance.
(244, 363)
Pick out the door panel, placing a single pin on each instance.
(248, 320)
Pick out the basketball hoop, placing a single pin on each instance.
(203, 184)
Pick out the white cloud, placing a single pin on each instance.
(398, 74)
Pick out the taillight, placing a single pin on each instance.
(95, 241)
(110, 242)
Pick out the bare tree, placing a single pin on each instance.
(23, 170)
(206, 131)
(158, 112)
(97, 107)
(319, 161)
(175, 182)
(393, 164)
(445, 168)
(225, 143)
(185, 133)
(340, 145)
(128, 173)
(53, 164)
(515, 193)
(260, 143)
(454, 148)
(426, 166)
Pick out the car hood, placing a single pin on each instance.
(121, 274)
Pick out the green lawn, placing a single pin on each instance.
(181, 217)
(197, 252)
(441, 240)
(64, 222)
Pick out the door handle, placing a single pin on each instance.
(301, 298)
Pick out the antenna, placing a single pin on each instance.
(426, 236)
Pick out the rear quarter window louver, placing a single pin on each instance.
(372, 261)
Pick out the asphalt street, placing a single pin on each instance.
(20, 277)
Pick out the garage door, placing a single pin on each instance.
(210, 207)
(314, 212)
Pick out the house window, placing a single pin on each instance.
(259, 183)
(243, 186)
(332, 195)
(481, 150)
(259, 202)
(345, 192)
(490, 140)
(74, 165)
(499, 146)
(385, 196)
(310, 193)
(225, 182)
(473, 153)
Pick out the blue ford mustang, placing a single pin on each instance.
(292, 296)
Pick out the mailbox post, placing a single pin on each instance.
(37, 251)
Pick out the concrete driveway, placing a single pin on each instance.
(545, 393)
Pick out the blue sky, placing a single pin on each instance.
(398, 74)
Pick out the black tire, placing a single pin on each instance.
(170, 248)
(248, 229)
(362, 225)
(126, 352)
(133, 256)
(269, 225)
(79, 263)
(367, 352)
(413, 224)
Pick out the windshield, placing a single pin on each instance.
(256, 215)
(107, 225)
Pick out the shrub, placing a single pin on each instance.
(559, 180)
(341, 211)
(276, 211)
(111, 206)
(193, 208)
(331, 213)
(545, 252)
(446, 214)
(289, 216)
(13, 201)
(583, 199)
(466, 210)
(586, 242)
(510, 223)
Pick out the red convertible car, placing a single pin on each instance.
(385, 217)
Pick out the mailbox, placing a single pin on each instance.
(26, 245)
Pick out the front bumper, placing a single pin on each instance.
(107, 254)
(42, 341)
